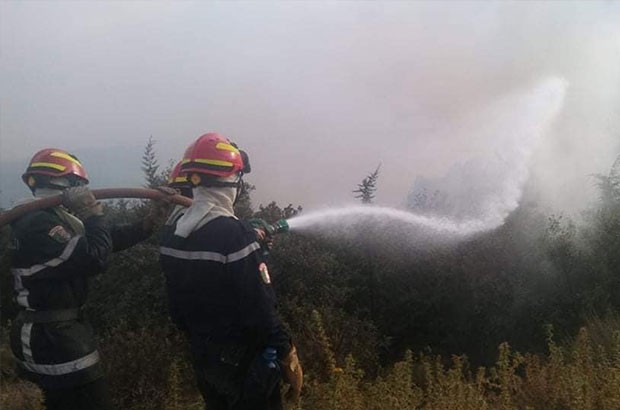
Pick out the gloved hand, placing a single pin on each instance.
(270, 357)
(168, 191)
(262, 233)
(259, 225)
(159, 208)
(293, 374)
(81, 201)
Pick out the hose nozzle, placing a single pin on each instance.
(280, 226)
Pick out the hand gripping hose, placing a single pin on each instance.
(109, 193)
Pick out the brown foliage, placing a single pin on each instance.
(16, 393)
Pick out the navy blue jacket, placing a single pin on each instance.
(52, 265)
(219, 286)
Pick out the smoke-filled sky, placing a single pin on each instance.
(318, 93)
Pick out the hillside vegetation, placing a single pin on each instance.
(524, 317)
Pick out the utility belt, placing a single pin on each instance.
(48, 316)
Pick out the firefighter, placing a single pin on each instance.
(219, 288)
(54, 252)
(178, 181)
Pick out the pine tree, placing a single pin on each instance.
(366, 190)
(150, 165)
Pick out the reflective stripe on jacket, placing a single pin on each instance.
(219, 286)
(51, 265)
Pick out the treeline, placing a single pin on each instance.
(357, 312)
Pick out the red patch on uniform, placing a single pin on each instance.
(264, 273)
(60, 234)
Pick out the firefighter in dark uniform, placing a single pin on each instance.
(54, 254)
(219, 287)
(178, 182)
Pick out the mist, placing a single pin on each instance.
(475, 196)
(317, 93)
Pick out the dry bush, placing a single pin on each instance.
(20, 395)
(15, 394)
(453, 387)
(148, 368)
(343, 391)
(395, 390)
(578, 376)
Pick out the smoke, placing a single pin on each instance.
(317, 92)
(477, 195)
(398, 84)
(488, 185)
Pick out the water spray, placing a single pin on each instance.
(515, 135)
(512, 152)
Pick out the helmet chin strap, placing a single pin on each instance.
(240, 188)
(218, 183)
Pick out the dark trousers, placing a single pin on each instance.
(220, 386)
(214, 400)
(89, 396)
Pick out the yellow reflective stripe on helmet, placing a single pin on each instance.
(47, 165)
(226, 147)
(65, 156)
(213, 162)
(180, 179)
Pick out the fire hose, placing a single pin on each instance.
(109, 193)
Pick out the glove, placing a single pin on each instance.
(81, 201)
(168, 191)
(159, 208)
(260, 226)
(262, 233)
(269, 356)
(293, 374)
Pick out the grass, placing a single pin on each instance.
(581, 374)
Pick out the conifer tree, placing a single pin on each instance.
(150, 165)
(366, 190)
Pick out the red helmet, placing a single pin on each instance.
(176, 179)
(212, 154)
(54, 163)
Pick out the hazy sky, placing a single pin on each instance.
(318, 92)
